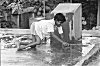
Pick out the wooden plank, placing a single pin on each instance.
(14, 31)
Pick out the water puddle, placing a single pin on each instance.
(12, 57)
(56, 56)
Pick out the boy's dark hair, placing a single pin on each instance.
(59, 17)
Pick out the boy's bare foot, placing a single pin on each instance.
(22, 48)
(34, 46)
(19, 49)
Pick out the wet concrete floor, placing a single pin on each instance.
(39, 57)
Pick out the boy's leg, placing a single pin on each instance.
(26, 43)
(18, 45)
(33, 40)
(21, 45)
(36, 41)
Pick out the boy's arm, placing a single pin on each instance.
(61, 36)
(56, 37)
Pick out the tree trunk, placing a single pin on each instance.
(98, 15)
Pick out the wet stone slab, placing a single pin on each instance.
(39, 57)
(53, 55)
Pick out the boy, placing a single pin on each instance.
(45, 28)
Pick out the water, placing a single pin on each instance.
(39, 57)
(11, 57)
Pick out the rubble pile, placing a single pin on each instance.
(92, 59)
(95, 56)
(10, 41)
(91, 53)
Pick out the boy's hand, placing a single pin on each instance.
(65, 44)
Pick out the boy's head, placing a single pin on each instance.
(59, 19)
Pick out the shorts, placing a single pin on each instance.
(35, 30)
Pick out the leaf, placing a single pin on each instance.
(12, 5)
(14, 9)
